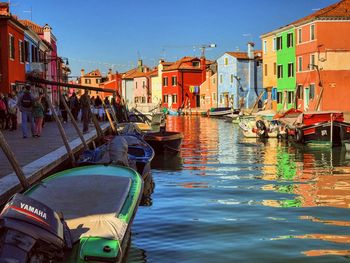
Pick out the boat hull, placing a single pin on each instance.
(324, 133)
(219, 112)
(164, 141)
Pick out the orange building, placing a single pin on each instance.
(322, 59)
(92, 79)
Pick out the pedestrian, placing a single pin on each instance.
(63, 110)
(85, 110)
(12, 110)
(3, 111)
(46, 107)
(74, 105)
(38, 115)
(25, 104)
(7, 115)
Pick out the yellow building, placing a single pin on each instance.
(92, 79)
(270, 69)
(156, 81)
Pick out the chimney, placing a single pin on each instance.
(82, 72)
(47, 33)
(251, 50)
(109, 74)
(4, 9)
(139, 65)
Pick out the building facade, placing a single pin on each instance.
(209, 89)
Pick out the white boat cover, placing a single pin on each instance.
(90, 203)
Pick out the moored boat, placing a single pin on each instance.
(219, 112)
(164, 141)
(80, 214)
(321, 127)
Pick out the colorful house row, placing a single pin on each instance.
(306, 62)
(27, 49)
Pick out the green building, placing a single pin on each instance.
(286, 59)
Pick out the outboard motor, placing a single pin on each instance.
(31, 232)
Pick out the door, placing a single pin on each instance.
(306, 98)
(170, 101)
(198, 100)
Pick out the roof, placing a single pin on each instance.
(35, 27)
(181, 64)
(239, 55)
(94, 73)
(153, 73)
(339, 10)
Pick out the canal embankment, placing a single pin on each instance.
(39, 157)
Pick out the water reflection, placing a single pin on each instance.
(148, 188)
(167, 161)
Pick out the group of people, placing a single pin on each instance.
(35, 109)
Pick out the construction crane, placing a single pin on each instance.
(202, 47)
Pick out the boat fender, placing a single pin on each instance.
(299, 135)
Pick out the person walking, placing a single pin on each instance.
(12, 110)
(63, 110)
(3, 111)
(38, 115)
(85, 110)
(74, 105)
(25, 104)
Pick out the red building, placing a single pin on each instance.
(114, 82)
(181, 81)
(12, 67)
(322, 59)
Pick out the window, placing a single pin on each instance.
(231, 78)
(174, 80)
(279, 43)
(21, 51)
(226, 61)
(195, 63)
(312, 62)
(165, 98)
(279, 71)
(312, 32)
(265, 46)
(300, 64)
(290, 40)
(87, 81)
(26, 51)
(290, 70)
(300, 36)
(290, 97)
(12, 46)
(174, 98)
(143, 84)
(265, 69)
(279, 97)
(98, 81)
(312, 91)
(274, 68)
(165, 81)
(220, 78)
(136, 84)
(214, 96)
(143, 99)
(274, 44)
(300, 92)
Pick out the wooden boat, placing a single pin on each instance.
(219, 112)
(164, 141)
(80, 214)
(232, 117)
(321, 127)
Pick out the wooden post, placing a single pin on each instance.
(256, 102)
(96, 123)
(13, 161)
(74, 122)
(319, 99)
(60, 128)
(109, 117)
(331, 139)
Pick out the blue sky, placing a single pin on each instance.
(114, 34)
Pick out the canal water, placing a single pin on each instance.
(227, 198)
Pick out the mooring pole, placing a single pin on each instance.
(96, 123)
(86, 147)
(13, 161)
(109, 118)
(60, 128)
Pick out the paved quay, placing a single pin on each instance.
(38, 155)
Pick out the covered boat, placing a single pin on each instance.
(80, 214)
(321, 127)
